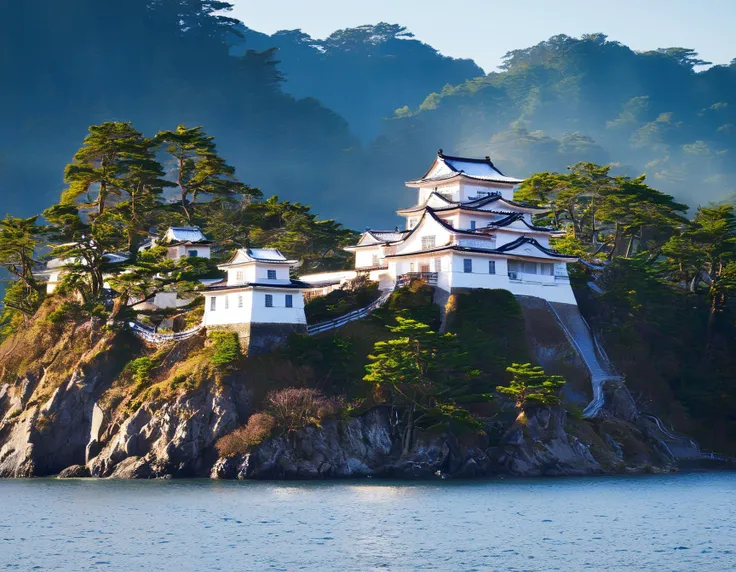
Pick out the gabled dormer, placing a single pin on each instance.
(462, 179)
(182, 241)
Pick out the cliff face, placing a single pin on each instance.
(546, 442)
(68, 406)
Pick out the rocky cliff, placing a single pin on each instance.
(69, 404)
(546, 441)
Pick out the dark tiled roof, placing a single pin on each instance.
(294, 284)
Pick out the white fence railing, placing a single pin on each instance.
(350, 317)
(154, 337)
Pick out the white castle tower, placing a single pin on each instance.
(467, 232)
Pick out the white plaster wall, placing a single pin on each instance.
(364, 257)
(546, 287)
(282, 272)
(279, 313)
(321, 277)
(230, 315)
(452, 220)
(180, 250)
(429, 227)
(481, 219)
(258, 272)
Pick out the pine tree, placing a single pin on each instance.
(426, 374)
(18, 241)
(531, 387)
(102, 167)
(199, 169)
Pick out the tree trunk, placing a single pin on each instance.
(630, 245)
(120, 303)
(406, 440)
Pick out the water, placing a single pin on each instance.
(668, 522)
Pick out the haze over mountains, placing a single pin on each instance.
(340, 123)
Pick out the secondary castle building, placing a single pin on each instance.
(258, 299)
(465, 232)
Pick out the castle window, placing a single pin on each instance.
(428, 242)
(227, 304)
(192, 254)
(269, 300)
(472, 225)
(530, 268)
(289, 301)
(213, 304)
(467, 265)
(547, 269)
(374, 260)
(411, 222)
(271, 274)
(240, 300)
(438, 265)
(239, 276)
(491, 267)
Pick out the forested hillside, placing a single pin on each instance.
(363, 73)
(158, 63)
(68, 65)
(569, 99)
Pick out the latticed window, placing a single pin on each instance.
(547, 269)
(227, 303)
(213, 304)
(239, 276)
(271, 274)
(289, 301)
(428, 242)
(491, 267)
(269, 300)
(374, 260)
(467, 265)
(240, 300)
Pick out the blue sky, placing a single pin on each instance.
(486, 29)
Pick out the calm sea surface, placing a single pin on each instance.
(669, 522)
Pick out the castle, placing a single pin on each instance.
(464, 232)
(467, 232)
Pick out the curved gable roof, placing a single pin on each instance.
(471, 168)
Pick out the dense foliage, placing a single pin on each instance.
(587, 99)
(350, 70)
(657, 285)
(118, 196)
(531, 387)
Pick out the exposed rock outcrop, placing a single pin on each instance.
(540, 443)
(171, 438)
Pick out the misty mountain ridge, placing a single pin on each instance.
(341, 123)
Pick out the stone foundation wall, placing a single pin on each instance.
(258, 339)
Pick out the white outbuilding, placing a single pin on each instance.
(258, 299)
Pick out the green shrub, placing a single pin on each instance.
(490, 324)
(357, 294)
(141, 369)
(226, 348)
(67, 311)
(415, 301)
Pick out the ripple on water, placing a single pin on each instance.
(664, 522)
